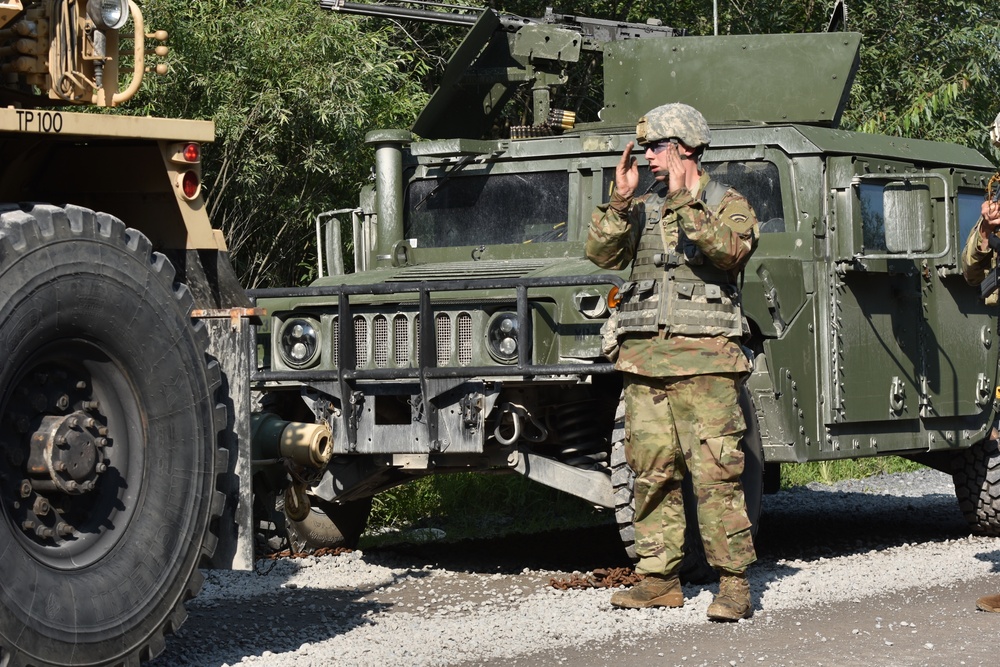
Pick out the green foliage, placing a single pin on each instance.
(828, 472)
(292, 90)
(929, 70)
(461, 503)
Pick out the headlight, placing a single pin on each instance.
(108, 14)
(299, 342)
(501, 337)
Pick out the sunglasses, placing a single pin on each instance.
(661, 145)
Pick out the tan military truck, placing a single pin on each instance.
(111, 447)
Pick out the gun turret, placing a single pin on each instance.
(501, 54)
(65, 52)
(731, 79)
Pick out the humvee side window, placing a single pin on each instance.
(872, 216)
(760, 184)
(490, 210)
(757, 181)
(969, 205)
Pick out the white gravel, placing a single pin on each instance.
(352, 610)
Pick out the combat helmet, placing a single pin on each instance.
(674, 120)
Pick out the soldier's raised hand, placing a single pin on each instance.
(626, 173)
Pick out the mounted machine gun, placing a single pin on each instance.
(502, 54)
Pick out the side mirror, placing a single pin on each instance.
(907, 210)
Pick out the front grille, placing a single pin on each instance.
(381, 343)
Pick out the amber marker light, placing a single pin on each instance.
(613, 297)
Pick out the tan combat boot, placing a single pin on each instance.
(733, 601)
(989, 603)
(653, 591)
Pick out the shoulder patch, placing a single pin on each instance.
(738, 218)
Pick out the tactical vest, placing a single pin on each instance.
(677, 289)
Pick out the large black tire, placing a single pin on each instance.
(109, 441)
(976, 473)
(695, 567)
(329, 525)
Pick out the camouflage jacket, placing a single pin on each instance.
(726, 237)
(976, 263)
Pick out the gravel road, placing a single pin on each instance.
(879, 571)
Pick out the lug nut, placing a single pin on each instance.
(91, 405)
(41, 507)
(64, 528)
(25, 488)
(102, 442)
(59, 466)
(44, 532)
(100, 467)
(28, 524)
(73, 422)
(62, 402)
(102, 430)
(81, 384)
(72, 485)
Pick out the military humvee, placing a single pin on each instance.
(112, 412)
(468, 336)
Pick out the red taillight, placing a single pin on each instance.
(190, 184)
(192, 152)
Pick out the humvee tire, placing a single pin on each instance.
(976, 474)
(695, 567)
(329, 525)
(108, 442)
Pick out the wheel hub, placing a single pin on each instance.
(67, 453)
(59, 459)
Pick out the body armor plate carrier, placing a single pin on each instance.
(676, 289)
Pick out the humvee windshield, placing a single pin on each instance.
(490, 210)
(758, 181)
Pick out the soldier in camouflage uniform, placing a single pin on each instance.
(678, 325)
(978, 259)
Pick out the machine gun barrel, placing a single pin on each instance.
(467, 15)
(596, 31)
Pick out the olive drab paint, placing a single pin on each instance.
(470, 336)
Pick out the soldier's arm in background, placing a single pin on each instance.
(977, 258)
(728, 238)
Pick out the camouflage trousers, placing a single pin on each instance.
(675, 425)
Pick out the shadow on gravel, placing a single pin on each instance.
(223, 630)
(808, 524)
(801, 523)
(991, 557)
(580, 549)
